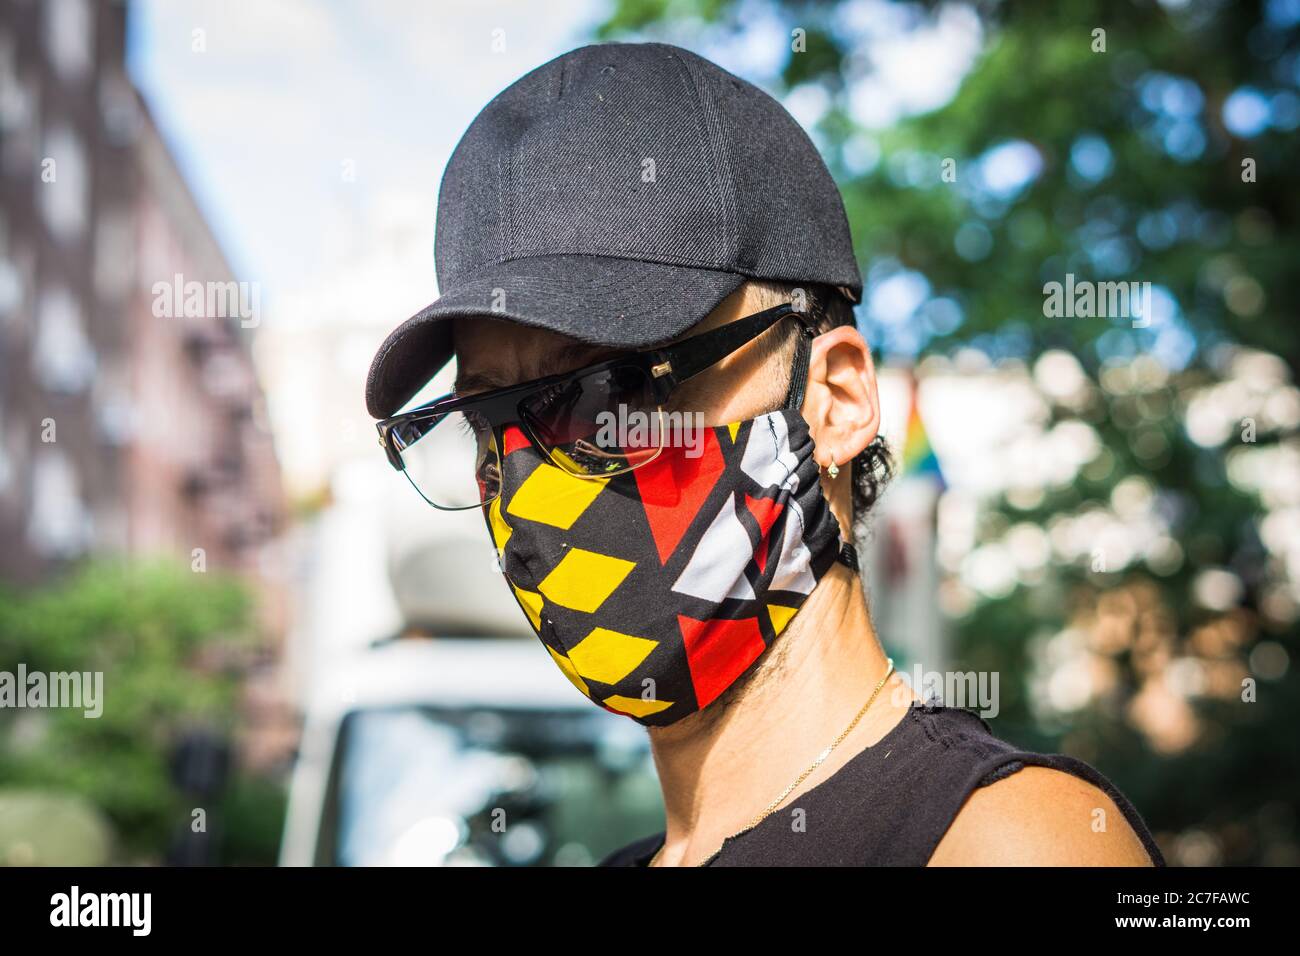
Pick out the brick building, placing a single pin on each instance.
(125, 427)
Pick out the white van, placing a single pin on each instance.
(477, 752)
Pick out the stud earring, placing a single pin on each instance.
(833, 471)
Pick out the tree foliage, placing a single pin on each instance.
(1112, 142)
(169, 644)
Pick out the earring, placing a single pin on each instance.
(833, 471)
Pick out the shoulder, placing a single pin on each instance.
(636, 853)
(1040, 816)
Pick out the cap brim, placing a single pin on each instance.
(598, 300)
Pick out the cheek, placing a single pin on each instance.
(691, 397)
(717, 405)
(733, 392)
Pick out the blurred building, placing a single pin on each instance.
(131, 421)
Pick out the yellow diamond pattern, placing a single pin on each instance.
(566, 666)
(552, 496)
(636, 706)
(583, 579)
(531, 602)
(500, 530)
(608, 656)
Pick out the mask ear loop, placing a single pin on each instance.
(799, 375)
(848, 555)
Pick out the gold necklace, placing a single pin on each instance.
(821, 758)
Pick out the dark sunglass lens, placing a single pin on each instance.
(601, 423)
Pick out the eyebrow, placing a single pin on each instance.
(473, 381)
(476, 382)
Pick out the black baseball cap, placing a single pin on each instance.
(618, 194)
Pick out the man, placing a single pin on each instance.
(629, 235)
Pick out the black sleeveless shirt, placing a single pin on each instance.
(891, 804)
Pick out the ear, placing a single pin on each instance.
(841, 404)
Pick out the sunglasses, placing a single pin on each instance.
(450, 449)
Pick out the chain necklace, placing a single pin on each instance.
(821, 758)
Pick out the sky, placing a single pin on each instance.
(310, 128)
(305, 127)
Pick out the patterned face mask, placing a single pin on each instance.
(656, 589)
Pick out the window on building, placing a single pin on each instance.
(62, 357)
(59, 525)
(11, 290)
(19, 112)
(17, 294)
(70, 37)
(14, 103)
(8, 465)
(11, 279)
(64, 184)
(114, 409)
(114, 254)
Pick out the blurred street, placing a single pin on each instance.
(213, 213)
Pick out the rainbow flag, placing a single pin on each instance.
(918, 455)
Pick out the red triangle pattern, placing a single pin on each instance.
(765, 512)
(717, 652)
(514, 439)
(674, 487)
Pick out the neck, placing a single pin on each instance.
(719, 770)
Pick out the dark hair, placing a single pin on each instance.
(829, 309)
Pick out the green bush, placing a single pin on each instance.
(170, 644)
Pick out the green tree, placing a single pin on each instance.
(170, 645)
(1108, 141)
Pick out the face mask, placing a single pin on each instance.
(656, 589)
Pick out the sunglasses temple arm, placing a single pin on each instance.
(693, 356)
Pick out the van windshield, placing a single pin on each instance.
(420, 786)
